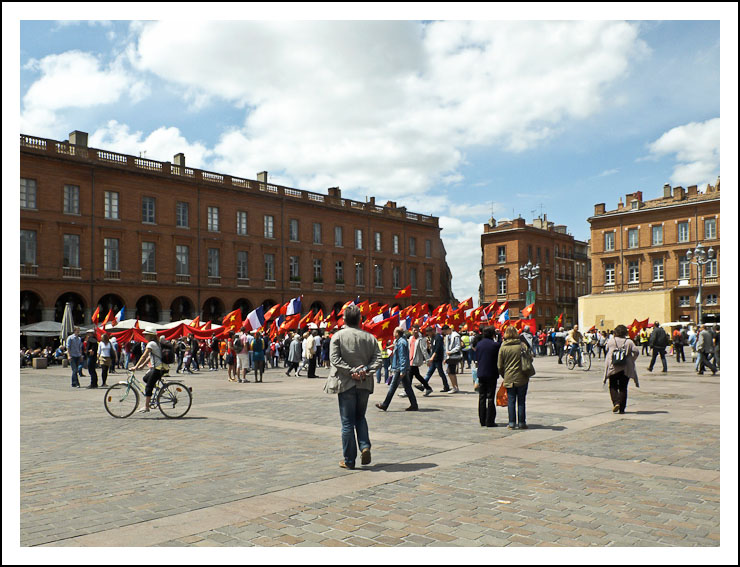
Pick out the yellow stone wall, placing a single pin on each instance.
(621, 308)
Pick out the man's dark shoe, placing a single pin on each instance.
(365, 456)
(412, 408)
(419, 387)
(446, 389)
(492, 425)
(381, 407)
(90, 387)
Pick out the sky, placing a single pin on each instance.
(461, 119)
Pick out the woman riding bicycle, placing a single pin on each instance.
(157, 368)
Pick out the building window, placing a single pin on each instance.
(213, 263)
(547, 286)
(318, 276)
(547, 256)
(338, 237)
(529, 252)
(378, 242)
(28, 193)
(710, 228)
(110, 254)
(147, 210)
(182, 260)
(658, 235)
(270, 267)
(213, 219)
(241, 223)
(359, 273)
(412, 277)
(396, 245)
(293, 230)
(396, 277)
(358, 238)
(502, 254)
(632, 238)
(684, 301)
(635, 204)
(339, 272)
(684, 268)
(658, 270)
(634, 272)
(317, 233)
(711, 267)
(712, 299)
(429, 280)
(71, 257)
(539, 255)
(110, 204)
(608, 243)
(412, 246)
(148, 258)
(293, 269)
(683, 231)
(502, 284)
(537, 284)
(28, 247)
(609, 274)
(428, 248)
(378, 275)
(182, 215)
(269, 226)
(71, 200)
(242, 269)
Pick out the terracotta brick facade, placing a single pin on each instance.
(146, 187)
(563, 261)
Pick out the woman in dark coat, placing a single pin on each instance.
(486, 356)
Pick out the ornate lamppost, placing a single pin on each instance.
(700, 258)
(529, 273)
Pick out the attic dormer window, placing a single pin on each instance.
(635, 205)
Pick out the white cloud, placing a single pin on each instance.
(608, 172)
(696, 150)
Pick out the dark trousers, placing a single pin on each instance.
(406, 380)
(618, 390)
(656, 352)
(414, 373)
(93, 373)
(292, 366)
(105, 368)
(517, 404)
(559, 348)
(312, 367)
(486, 401)
(704, 361)
(678, 349)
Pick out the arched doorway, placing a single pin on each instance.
(181, 308)
(148, 308)
(245, 305)
(109, 302)
(213, 310)
(317, 306)
(31, 307)
(78, 308)
(337, 307)
(268, 304)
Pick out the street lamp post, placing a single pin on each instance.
(700, 258)
(529, 273)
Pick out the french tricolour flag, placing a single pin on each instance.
(119, 315)
(504, 316)
(294, 306)
(384, 315)
(256, 319)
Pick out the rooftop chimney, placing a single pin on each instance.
(262, 176)
(678, 194)
(335, 192)
(600, 209)
(180, 160)
(666, 191)
(391, 204)
(78, 138)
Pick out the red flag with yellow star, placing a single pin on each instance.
(634, 328)
(528, 311)
(467, 304)
(233, 320)
(405, 292)
(383, 330)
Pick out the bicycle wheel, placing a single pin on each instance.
(174, 399)
(570, 363)
(587, 361)
(121, 400)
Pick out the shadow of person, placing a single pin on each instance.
(399, 467)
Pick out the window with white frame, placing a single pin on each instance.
(711, 268)
(269, 226)
(213, 219)
(147, 210)
(658, 235)
(429, 280)
(412, 278)
(241, 223)
(28, 193)
(214, 265)
(684, 268)
(412, 246)
(710, 228)
(358, 238)
(182, 214)
(502, 254)
(428, 248)
(293, 230)
(270, 267)
(182, 260)
(633, 272)
(71, 200)
(110, 255)
(658, 270)
(293, 271)
(28, 247)
(378, 275)
(110, 204)
(339, 271)
(396, 277)
(318, 276)
(396, 244)
(71, 253)
(359, 273)
(501, 284)
(712, 299)
(684, 301)
(242, 265)
(633, 240)
(317, 233)
(148, 265)
(609, 274)
(338, 237)
(683, 231)
(378, 242)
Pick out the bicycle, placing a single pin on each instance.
(171, 397)
(571, 360)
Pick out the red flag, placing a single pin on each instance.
(319, 317)
(272, 312)
(405, 292)
(383, 330)
(592, 329)
(634, 329)
(96, 315)
(644, 324)
(467, 304)
(108, 318)
(456, 318)
(233, 320)
(501, 308)
(195, 322)
(531, 323)
(290, 323)
(439, 310)
(136, 325)
(528, 311)
(306, 320)
(491, 308)
(559, 321)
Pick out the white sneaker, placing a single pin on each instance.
(454, 391)
(403, 395)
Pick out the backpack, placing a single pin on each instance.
(168, 352)
(619, 355)
(526, 360)
(238, 345)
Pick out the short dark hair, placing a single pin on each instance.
(445, 327)
(620, 331)
(352, 316)
(488, 332)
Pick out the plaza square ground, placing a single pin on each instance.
(257, 465)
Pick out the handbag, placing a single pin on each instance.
(229, 359)
(502, 397)
(527, 365)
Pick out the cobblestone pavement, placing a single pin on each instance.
(257, 465)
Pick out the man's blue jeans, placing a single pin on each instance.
(517, 397)
(352, 408)
(436, 365)
(74, 362)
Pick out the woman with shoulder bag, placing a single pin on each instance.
(621, 354)
(106, 354)
(516, 381)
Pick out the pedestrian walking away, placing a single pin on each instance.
(436, 359)
(705, 348)
(354, 357)
(658, 341)
(486, 356)
(400, 370)
(619, 367)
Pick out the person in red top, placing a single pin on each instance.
(231, 358)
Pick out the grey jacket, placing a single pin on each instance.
(629, 368)
(705, 342)
(349, 350)
(296, 349)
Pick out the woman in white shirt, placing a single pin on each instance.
(105, 355)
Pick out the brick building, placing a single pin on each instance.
(563, 261)
(171, 242)
(639, 262)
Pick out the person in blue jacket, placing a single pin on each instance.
(486, 354)
(400, 372)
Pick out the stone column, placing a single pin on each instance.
(48, 314)
(164, 315)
